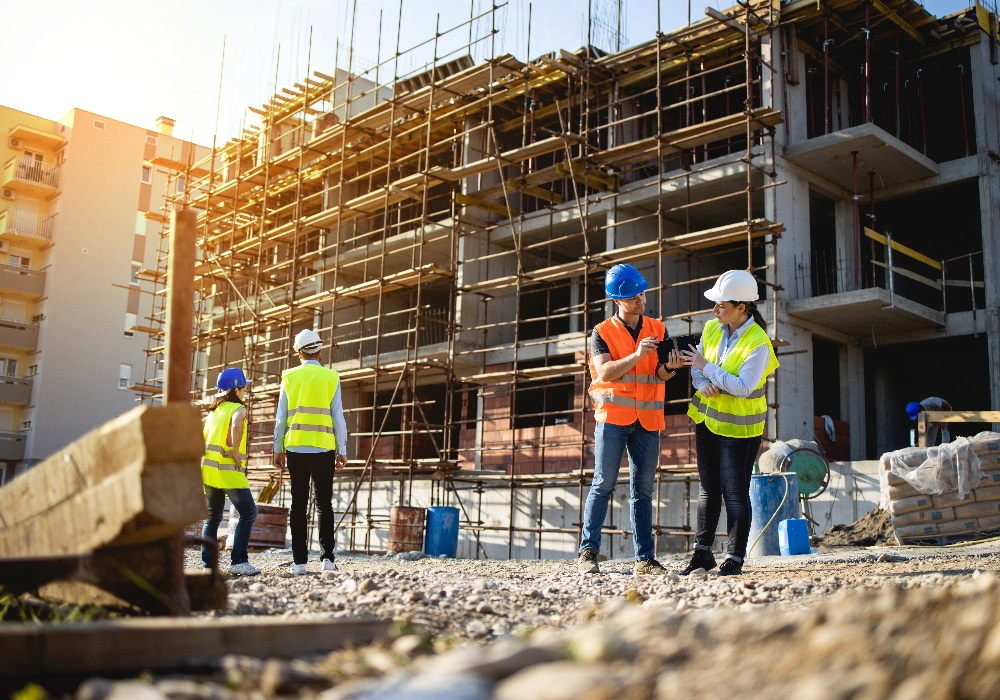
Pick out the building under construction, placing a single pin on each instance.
(447, 234)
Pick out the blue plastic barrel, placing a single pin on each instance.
(442, 531)
(793, 537)
(766, 494)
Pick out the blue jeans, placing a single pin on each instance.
(243, 500)
(724, 468)
(643, 448)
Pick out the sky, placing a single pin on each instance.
(204, 62)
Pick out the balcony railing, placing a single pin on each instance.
(899, 270)
(19, 170)
(22, 280)
(26, 224)
(18, 334)
(15, 389)
(11, 445)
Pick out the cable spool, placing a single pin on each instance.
(812, 471)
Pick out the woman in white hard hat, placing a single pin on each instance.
(223, 469)
(729, 371)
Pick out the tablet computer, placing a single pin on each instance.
(681, 342)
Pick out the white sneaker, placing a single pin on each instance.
(244, 569)
(330, 565)
(298, 569)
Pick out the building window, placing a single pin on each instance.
(26, 425)
(99, 124)
(181, 184)
(140, 223)
(20, 260)
(124, 376)
(130, 320)
(147, 174)
(134, 276)
(8, 366)
(150, 140)
(544, 401)
(32, 370)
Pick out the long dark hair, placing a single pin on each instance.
(228, 396)
(753, 311)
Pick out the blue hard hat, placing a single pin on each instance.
(913, 410)
(624, 282)
(231, 378)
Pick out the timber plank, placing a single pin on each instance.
(32, 650)
(135, 479)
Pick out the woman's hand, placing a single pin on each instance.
(693, 357)
(279, 460)
(675, 362)
(710, 390)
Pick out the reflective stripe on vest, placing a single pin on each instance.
(728, 415)
(310, 390)
(636, 395)
(217, 468)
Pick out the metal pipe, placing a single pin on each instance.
(888, 269)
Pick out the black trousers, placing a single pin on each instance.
(317, 467)
(724, 468)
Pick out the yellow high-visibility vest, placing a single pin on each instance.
(218, 469)
(310, 390)
(723, 413)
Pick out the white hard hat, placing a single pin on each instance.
(307, 341)
(734, 285)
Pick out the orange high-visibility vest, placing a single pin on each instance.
(638, 394)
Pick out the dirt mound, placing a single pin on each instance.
(874, 528)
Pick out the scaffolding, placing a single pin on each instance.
(447, 234)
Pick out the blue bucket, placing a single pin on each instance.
(766, 494)
(442, 531)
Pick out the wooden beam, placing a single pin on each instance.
(135, 479)
(500, 210)
(128, 646)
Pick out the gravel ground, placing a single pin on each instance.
(888, 622)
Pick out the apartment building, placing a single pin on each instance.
(81, 207)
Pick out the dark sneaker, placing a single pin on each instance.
(649, 567)
(702, 559)
(587, 563)
(731, 567)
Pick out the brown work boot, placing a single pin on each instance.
(587, 563)
(649, 567)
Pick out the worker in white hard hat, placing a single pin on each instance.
(729, 371)
(310, 439)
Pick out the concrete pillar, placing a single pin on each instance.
(987, 120)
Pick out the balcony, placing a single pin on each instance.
(29, 177)
(846, 157)
(894, 289)
(25, 227)
(18, 334)
(12, 446)
(21, 282)
(15, 389)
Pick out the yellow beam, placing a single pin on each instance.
(540, 192)
(898, 21)
(467, 201)
(905, 250)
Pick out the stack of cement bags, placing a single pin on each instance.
(944, 494)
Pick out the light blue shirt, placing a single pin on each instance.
(750, 372)
(281, 422)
